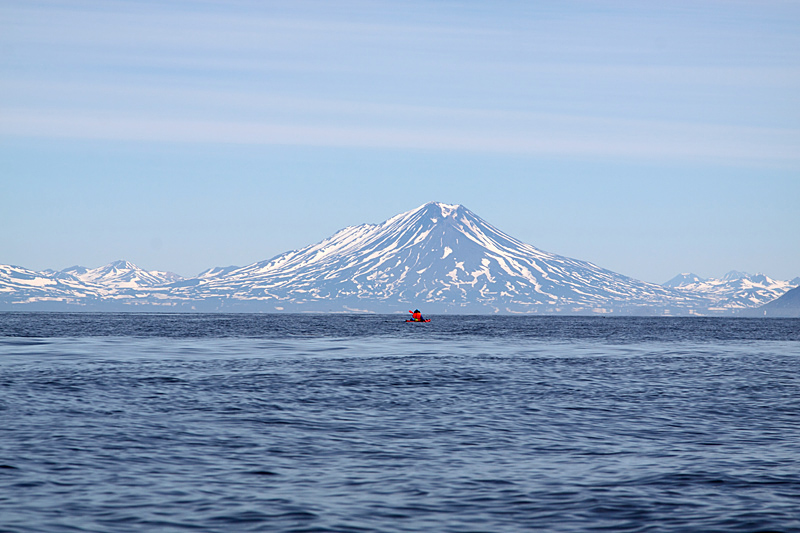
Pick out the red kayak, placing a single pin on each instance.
(426, 320)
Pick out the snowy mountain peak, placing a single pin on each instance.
(447, 209)
(761, 279)
(433, 211)
(733, 275)
(121, 265)
(75, 270)
(686, 278)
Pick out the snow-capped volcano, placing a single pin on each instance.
(441, 256)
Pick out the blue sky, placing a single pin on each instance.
(649, 139)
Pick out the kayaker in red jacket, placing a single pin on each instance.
(416, 316)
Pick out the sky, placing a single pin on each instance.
(650, 138)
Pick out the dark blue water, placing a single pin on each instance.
(365, 423)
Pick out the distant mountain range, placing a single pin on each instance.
(440, 258)
(735, 290)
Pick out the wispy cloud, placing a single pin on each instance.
(424, 76)
(542, 134)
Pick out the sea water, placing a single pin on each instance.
(141, 422)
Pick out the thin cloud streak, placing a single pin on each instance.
(564, 136)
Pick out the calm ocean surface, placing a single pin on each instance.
(126, 422)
